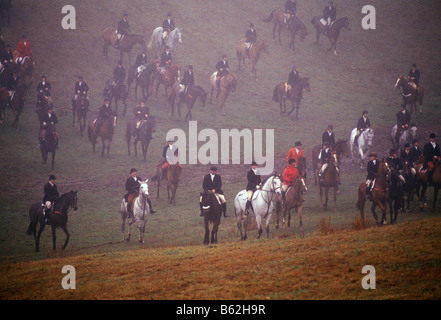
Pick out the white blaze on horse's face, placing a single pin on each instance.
(114, 122)
(397, 83)
(304, 184)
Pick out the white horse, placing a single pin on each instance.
(141, 212)
(262, 205)
(172, 40)
(364, 143)
(406, 136)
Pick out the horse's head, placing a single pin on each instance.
(232, 81)
(177, 34)
(341, 147)
(266, 46)
(345, 23)
(144, 188)
(276, 184)
(386, 169)
(303, 187)
(206, 201)
(413, 131)
(400, 82)
(369, 136)
(334, 159)
(72, 199)
(203, 96)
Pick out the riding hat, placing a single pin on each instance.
(414, 140)
(414, 65)
(52, 177)
(125, 14)
(373, 154)
(365, 112)
(170, 140)
(331, 127)
(190, 67)
(224, 56)
(251, 25)
(213, 168)
(392, 152)
(254, 163)
(432, 136)
(407, 145)
(403, 106)
(291, 161)
(133, 170)
(298, 144)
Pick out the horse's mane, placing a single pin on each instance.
(199, 87)
(268, 177)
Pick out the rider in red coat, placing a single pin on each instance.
(289, 177)
(24, 49)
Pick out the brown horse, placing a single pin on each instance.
(330, 180)
(105, 133)
(253, 54)
(341, 149)
(171, 174)
(212, 211)
(126, 44)
(80, 108)
(422, 180)
(189, 98)
(168, 78)
(293, 200)
(228, 84)
(411, 94)
(380, 193)
(144, 134)
(296, 95)
(27, 68)
(333, 32)
(277, 17)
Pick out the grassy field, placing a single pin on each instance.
(361, 77)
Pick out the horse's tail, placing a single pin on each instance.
(313, 21)
(32, 225)
(89, 133)
(270, 17)
(276, 94)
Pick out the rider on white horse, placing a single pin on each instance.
(254, 183)
(168, 26)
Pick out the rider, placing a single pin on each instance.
(431, 152)
(290, 10)
(329, 15)
(132, 188)
(12, 84)
(170, 154)
(44, 88)
(415, 152)
(254, 183)
(250, 38)
(293, 79)
(363, 124)
(49, 120)
(103, 115)
(372, 170)
(395, 163)
(81, 87)
(119, 74)
(324, 157)
(289, 176)
(50, 196)
(166, 59)
(122, 29)
(168, 26)
(414, 76)
(295, 153)
(222, 68)
(213, 183)
(7, 56)
(24, 49)
(186, 82)
(328, 136)
(403, 122)
(141, 62)
(142, 113)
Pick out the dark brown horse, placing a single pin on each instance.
(330, 180)
(48, 142)
(411, 94)
(380, 193)
(254, 54)
(341, 148)
(212, 211)
(189, 98)
(277, 17)
(296, 95)
(143, 134)
(116, 91)
(58, 218)
(167, 79)
(296, 25)
(422, 180)
(333, 32)
(293, 200)
(105, 133)
(27, 68)
(80, 108)
(228, 84)
(143, 80)
(126, 44)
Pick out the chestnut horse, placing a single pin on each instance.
(106, 132)
(280, 95)
(254, 54)
(333, 32)
(189, 98)
(411, 94)
(330, 180)
(168, 78)
(380, 193)
(277, 17)
(341, 148)
(80, 108)
(228, 84)
(422, 180)
(126, 44)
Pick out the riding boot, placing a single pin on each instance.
(117, 44)
(129, 210)
(429, 178)
(218, 85)
(247, 207)
(283, 198)
(224, 209)
(151, 207)
(200, 207)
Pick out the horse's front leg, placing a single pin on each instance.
(64, 228)
(53, 160)
(54, 238)
(207, 233)
(300, 213)
(335, 199)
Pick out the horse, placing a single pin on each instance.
(171, 174)
(106, 131)
(81, 106)
(26, 69)
(41, 107)
(294, 26)
(364, 142)
(212, 211)
(172, 40)
(58, 218)
(406, 136)
(117, 91)
(409, 187)
(126, 44)
(340, 148)
(16, 103)
(421, 184)
(262, 205)
(333, 32)
(253, 54)
(143, 80)
(5, 5)
(380, 193)
(141, 212)
(330, 180)
(293, 200)
(228, 83)
(144, 134)
(296, 95)
(396, 195)
(189, 98)
(168, 78)
(48, 144)
(410, 93)
(277, 17)
(422, 179)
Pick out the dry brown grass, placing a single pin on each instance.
(407, 258)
